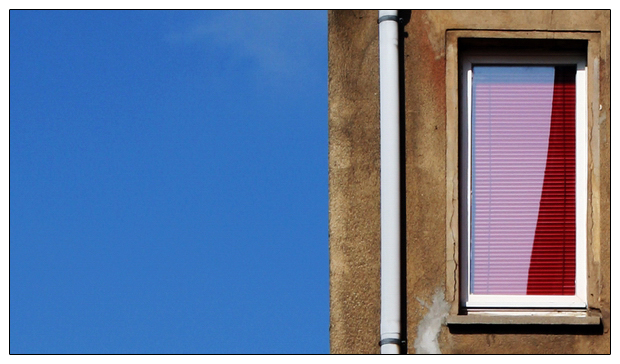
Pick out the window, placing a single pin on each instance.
(523, 180)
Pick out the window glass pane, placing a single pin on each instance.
(523, 180)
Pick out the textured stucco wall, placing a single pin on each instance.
(354, 172)
(354, 227)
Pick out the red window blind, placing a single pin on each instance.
(523, 180)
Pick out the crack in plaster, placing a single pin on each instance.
(454, 250)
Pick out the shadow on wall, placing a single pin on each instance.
(527, 329)
(405, 17)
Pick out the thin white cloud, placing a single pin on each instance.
(263, 36)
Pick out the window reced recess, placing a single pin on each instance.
(523, 180)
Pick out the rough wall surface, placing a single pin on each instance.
(354, 172)
(354, 215)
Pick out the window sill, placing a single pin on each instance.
(524, 322)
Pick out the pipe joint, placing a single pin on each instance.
(395, 18)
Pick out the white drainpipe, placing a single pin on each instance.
(390, 182)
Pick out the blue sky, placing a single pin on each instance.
(168, 182)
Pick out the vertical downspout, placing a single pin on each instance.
(390, 182)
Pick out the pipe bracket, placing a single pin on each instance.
(388, 17)
(391, 340)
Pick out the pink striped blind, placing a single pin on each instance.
(523, 180)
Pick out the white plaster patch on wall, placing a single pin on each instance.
(430, 326)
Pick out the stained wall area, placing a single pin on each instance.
(430, 48)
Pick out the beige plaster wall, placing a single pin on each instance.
(354, 172)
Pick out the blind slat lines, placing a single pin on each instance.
(522, 145)
(552, 267)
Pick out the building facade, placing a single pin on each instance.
(442, 309)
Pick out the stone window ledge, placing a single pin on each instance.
(527, 323)
(525, 319)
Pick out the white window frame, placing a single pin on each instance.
(474, 301)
